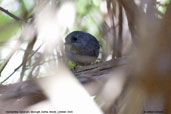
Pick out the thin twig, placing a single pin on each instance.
(2, 67)
(10, 14)
(21, 65)
(26, 55)
(6, 61)
(120, 31)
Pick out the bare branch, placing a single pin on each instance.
(26, 55)
(10, 14)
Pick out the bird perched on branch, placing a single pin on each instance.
(81, 48)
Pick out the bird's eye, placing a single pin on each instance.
(73, 39)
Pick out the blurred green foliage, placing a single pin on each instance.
(8, 25)
(71, 64)
(89, 17)
(162, 5)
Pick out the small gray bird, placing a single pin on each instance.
(81, 48)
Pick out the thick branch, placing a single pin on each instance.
(100, 68)
(31, 93)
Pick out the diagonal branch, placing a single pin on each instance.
(10, 14)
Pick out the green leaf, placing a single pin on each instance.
(70, 64)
